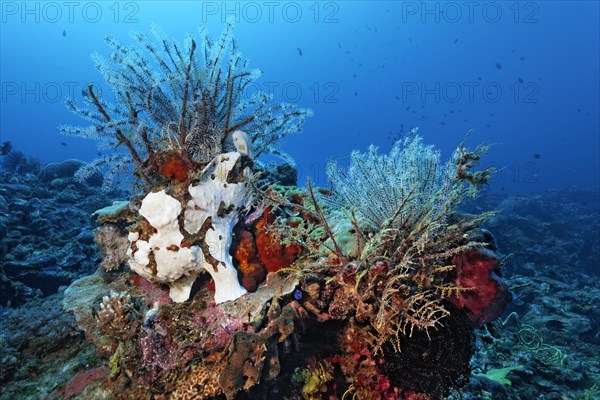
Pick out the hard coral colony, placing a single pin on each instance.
(369, 290)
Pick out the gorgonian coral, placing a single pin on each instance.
(178, 103)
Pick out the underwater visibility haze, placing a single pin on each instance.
(300, 200)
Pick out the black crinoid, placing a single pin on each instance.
(178, 101)
(13, 161)
(432, 362)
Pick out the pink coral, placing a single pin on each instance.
(154, 294)
(158, 350)
(82, 379)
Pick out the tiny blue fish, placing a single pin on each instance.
(297, 294)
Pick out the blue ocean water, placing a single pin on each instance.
(522, 75)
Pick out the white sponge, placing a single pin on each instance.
(213, 197)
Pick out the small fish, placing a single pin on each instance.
(579, 110)
(339, 45)
(498, 66)
(355, 94)
(150, 315)
(522, 58)
(407, 108)
(63, 144)
(397, 98)
(5, 148)
(520, 80)
(455, 41)
(64, 33)
(354, 75)
(300, 51)
(537, 156)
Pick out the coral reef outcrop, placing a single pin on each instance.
(371, 289)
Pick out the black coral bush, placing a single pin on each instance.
(180, 101)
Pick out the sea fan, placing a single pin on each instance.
(17, 162)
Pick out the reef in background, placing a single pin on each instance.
(46, 238)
